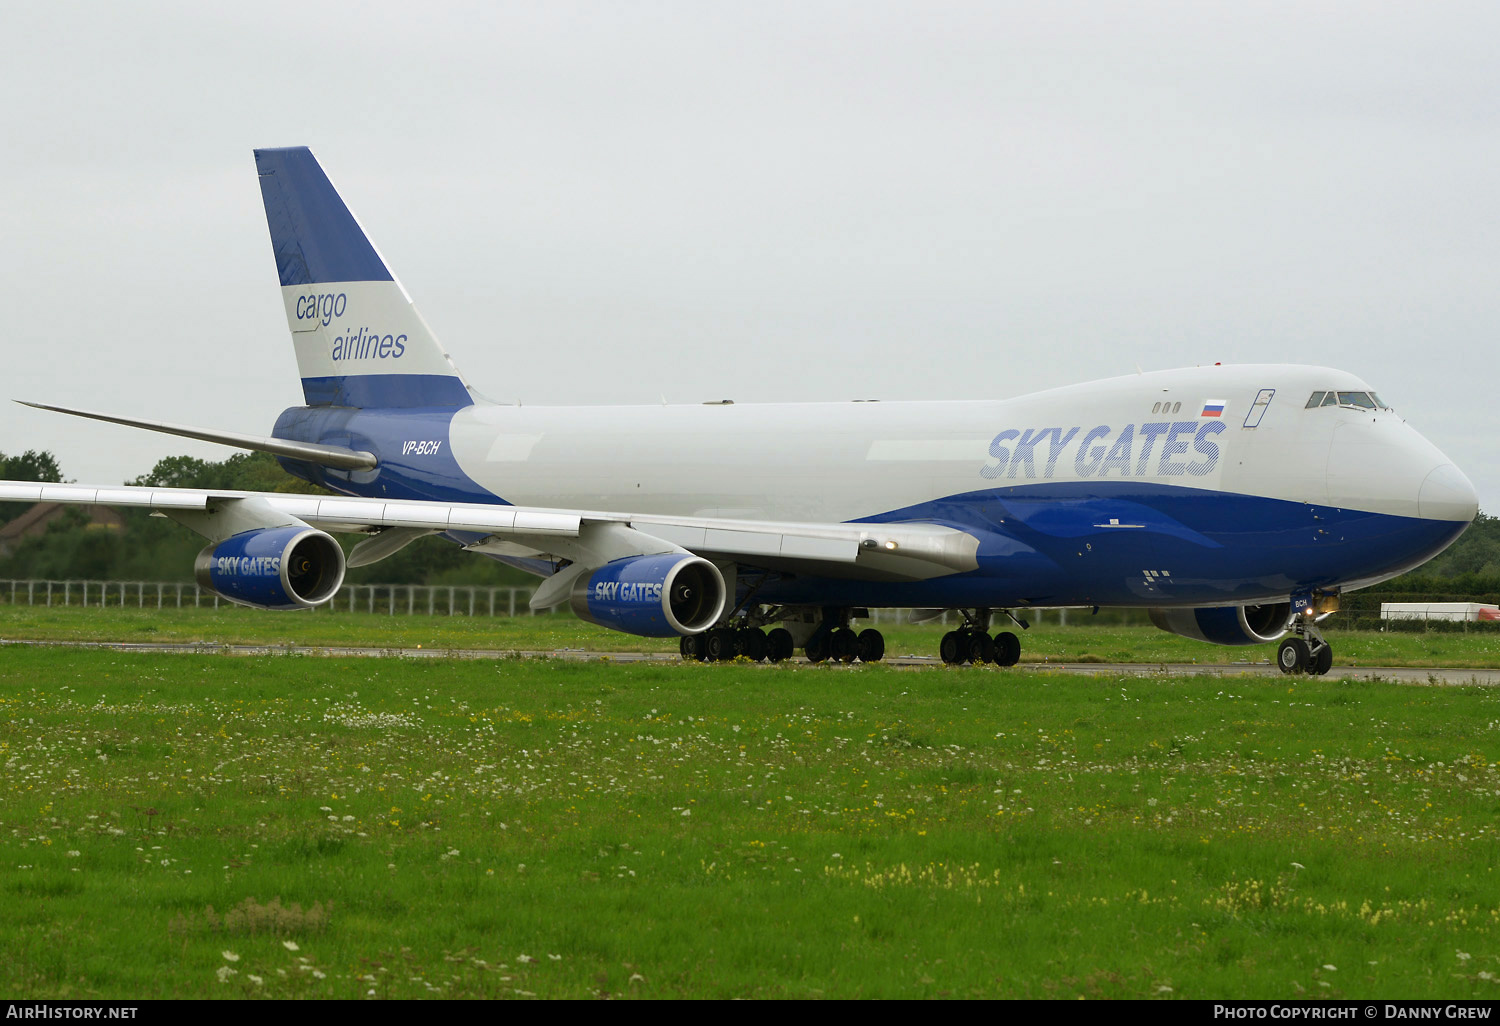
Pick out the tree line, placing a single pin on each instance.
(151, 548)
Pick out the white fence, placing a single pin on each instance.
(406, 599)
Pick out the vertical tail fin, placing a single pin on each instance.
(359, 340)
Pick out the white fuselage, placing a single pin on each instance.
(847, 461)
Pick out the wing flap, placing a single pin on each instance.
(746, 542)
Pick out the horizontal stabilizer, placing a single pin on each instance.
(323, 455)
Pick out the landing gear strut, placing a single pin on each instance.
(972, 643)
(1306, 651)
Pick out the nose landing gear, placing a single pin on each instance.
(1306, 651)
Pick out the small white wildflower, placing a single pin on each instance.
(687, 812)
(1331, 968)
(555, 958)
(290, 945)
(74, 854)
(1298, 865)
(637, 978)
(524, 959)
(1464, 956)
(257, 980)
(230, 956)
(224, 973)
(1164, 989)
(320, 974)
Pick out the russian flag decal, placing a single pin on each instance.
(1213, 408)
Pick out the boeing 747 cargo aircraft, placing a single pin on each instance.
(1236, 503)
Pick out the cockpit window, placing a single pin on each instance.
(1348, 400)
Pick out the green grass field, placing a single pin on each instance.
(202, 826)
(1047, 642)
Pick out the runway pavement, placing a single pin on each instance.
(1401, 674)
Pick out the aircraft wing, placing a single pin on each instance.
(866, 551)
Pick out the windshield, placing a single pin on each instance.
(1348, 400)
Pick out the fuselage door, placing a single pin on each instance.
(1258, 408)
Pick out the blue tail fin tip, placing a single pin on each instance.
(314, 236)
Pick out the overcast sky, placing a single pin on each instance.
(613, 202)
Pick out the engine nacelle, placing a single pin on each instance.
(652, 596)
(1227, 625)
(274, 568)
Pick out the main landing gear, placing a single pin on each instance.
(972, 643)
(724, 643)
(823, 634)
(843, 645)
(1306, 651)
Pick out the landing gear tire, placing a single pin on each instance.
(1322, 660)
(871, 646)
(779, 645)
(951, 648)
(752, 643)
(818, 648)
(1294, 656)
(720, 646)
(845, 645)
(981, 648)
(691, 647)
(1007, 649)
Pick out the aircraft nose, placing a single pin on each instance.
(1446, 494)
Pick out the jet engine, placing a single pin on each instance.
(275, 568)
(1227, 625)
(659, 596)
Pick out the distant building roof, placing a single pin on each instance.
(35, 521)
